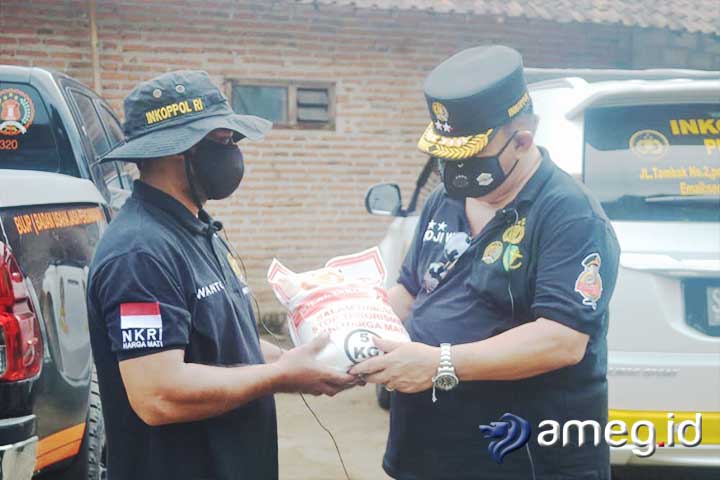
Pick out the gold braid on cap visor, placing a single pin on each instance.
(452, 148)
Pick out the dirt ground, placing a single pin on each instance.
(360, 428)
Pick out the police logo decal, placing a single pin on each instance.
(17, 112)
(589, 282)
(492, 252)
(649, 144)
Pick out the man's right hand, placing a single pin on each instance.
(301, 372)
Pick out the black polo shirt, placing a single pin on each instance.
(163, 279)
(551, 253)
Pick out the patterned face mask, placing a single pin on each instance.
(456, 245)
(474, 177)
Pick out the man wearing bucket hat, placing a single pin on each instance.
(185, 389)
(504, 292)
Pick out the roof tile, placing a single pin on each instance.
(691, 15)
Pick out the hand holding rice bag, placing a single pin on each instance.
(346, 300)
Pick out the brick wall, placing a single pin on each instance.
(302, 199)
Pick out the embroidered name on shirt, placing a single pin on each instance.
(437, 232)
(141, 325)
(213, 288)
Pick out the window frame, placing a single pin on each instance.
(97, 171)
(72, 91)
(292, 87)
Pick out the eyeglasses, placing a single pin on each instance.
(455, 246)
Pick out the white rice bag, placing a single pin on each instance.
(346, 300)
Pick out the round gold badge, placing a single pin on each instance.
(440, 111)
(235, 266)
(492, 252)
(515, 233)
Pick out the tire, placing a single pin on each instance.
(95, 435)
(383, 397)
(90, 462)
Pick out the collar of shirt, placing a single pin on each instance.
(203, 224)
(532, 188)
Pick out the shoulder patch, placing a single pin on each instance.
(141, 325)
(589, 283)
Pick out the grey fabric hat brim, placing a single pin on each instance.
(179, 138)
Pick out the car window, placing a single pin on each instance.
(28, 135)
(109, 174)
(128, 174)
(112, 126)
(655, 162)
(91, 123)
(128, 170)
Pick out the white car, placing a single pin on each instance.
(649, 150)
(63, 304)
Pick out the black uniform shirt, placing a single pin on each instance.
(550, 253)
(162, 279)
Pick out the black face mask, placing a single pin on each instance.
(474, 177)
(217, 168)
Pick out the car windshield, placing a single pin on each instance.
(655, 162)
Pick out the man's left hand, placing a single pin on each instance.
(407, 367)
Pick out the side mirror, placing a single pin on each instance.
(384, 199)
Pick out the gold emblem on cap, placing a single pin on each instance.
(440, 111)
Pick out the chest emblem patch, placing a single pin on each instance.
(492, 252)
(589, 282)
(511, 258)
(235, 266)
(515, 233)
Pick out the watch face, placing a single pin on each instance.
(446, 381)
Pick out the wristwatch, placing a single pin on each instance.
(445, 378)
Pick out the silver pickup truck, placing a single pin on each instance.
(55, 202)
(649, 150)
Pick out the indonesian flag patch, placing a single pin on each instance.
(141, 325)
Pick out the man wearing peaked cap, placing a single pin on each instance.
(504, 292)
(185, 387)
